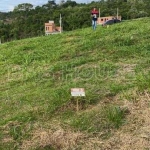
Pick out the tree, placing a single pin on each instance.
(69, 3)
(61, 2)
(52, 2)
(23, 7)
(25, 21)
(133, 12)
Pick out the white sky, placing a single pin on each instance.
(8, 5)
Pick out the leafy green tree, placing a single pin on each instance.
(25, 21)
(69, 4)
(23, 7)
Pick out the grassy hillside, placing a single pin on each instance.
(112, 64)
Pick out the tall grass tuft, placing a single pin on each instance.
(115, 115)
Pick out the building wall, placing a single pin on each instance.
(58, 29)
(50, 28)
(101, 20)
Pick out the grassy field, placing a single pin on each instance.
(112, 64)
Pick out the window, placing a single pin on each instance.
(101, 19)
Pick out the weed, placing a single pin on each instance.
(114, 115)
(143, 81)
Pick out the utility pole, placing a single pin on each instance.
(117, 13)
(60, 21)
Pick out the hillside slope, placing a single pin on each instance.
(112, 64)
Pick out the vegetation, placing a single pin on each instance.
(25, 21)
(37, 110)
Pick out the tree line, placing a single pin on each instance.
(26, 21)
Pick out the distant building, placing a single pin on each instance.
(50, 28)
(101, 20)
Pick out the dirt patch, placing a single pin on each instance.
(126, 69)
(59, 139)
(134, 135)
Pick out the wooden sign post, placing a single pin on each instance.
(77, 92)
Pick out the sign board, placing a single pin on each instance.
(77, 92)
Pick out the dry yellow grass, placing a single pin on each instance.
(134, 135)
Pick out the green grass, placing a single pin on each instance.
(102, 120)
(36, 76)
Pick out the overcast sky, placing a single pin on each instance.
(8, 5)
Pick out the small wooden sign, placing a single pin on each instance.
(77, 92)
